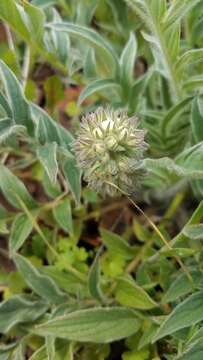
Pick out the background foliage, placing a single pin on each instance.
(82, 277)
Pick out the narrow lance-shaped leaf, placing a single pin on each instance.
(190, 57)
(152, 13)
(18, 104)
(97, 86)
(47, 130)
(116, 244)
(50, 347)
(197, 119)
(182, 286)
(47, 155)
(194, 83)
(172, 113)
(60, 39)
(63, 215)
(87, 34)
(127, 60)
(97, 325)
(41, 284)
(193, 352)
(187, 313)
(5, 105)
(194, 232)
(21, 229)
(19, 309)
(11, 186)
(177, 11)
(27, 20)
(44, 3)
(90, 68)
(73, 175)
(8, 128)
(128, 293)
(36, 21)
(94, 280)
(10, 12)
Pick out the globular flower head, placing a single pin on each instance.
(109, 149)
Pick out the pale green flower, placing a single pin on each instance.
(109, 150)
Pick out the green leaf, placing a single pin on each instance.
(11, 186)
(196, 336)
(3, 227)
(97, 86)
(190, 57)
(40, 284)
(19, 353)
(128, 293)
(181, 252)
(8, 128)
(36, 18)
(5, 105)
(177, 10)
(47, 130)
(97, 325)
(63, 215)
(197, 30)
(21, 229)
(19, 309)
(136, 355)
(152, 13)
(90, 68)
(197, 119)
(63, 351)
(141, 10)
(51, 189)
(47, 155)
(17, 102)
(194, 351)
(194, 232)
(191, 159)
(88, 34)
(173, 113)
(187, 313)
(172, 39)
(147, 336)
(94, 280)
(13, 14)
(7, 350)
(182, 286)
(194, 83)
(60, 40)
(65, 280)
(138, 89)
(39, 354)
(73, 175)
(50, 347)
(127, 60)
(27, 20)
(116, 244)
(44, 3)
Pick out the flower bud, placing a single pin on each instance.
(109, 150)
